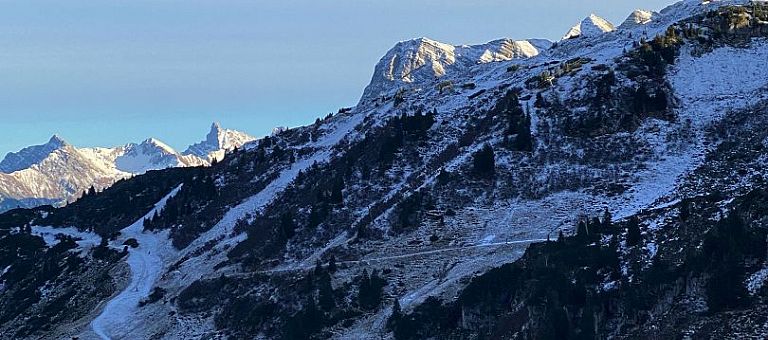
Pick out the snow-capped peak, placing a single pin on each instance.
(424, 60)
(407, 57)
(148, 155)
(217, 142)
(56, 142)
(591, 26)
(155, 144)
(31, 155)
(595, 25)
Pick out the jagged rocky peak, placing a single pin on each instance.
(408, 57)
(218, 140)
(29, 156)
(591, 26)
(424, 60)
(57, 142)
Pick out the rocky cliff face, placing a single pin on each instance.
(610, 186)
(419, 62)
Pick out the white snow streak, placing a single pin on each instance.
(147, 262)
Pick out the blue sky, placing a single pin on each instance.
(107, 72)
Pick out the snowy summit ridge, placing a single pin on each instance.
(423, 60)
(591, 26)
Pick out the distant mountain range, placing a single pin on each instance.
(57, 172)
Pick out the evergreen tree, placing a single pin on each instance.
(325, 292)
(396, 316)
(484, 162)
(595, 226)
(633, 231)
(524, 138)
(685, 211)
(371, 290)
(365, 284)
(287, 227)
(332, 264)
(509, 105)
(725, 288)
(607, 218)
(390, 145)
(316, 215)
(582, 230)
(377, 289)
(561, 325)
(587, 325)
(336, 196)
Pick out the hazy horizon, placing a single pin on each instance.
(114, 72)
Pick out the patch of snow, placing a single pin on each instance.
(652, 249)
(487, 239)
(723, 80)
(638, 18)
(118, 318)
(756, 281)
(610, 285)
(84, 240)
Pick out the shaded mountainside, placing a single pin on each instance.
(608, 186)
(684, 270)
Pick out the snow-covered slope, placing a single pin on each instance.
(404, 186)
(146, 264)
(423, 60)
(57, 172)
(638, 18)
